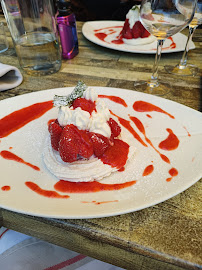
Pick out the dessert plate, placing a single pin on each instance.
(105, 33)
(168, 157)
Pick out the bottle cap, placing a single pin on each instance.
(64, 7)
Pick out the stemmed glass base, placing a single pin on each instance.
(184, 69)
(187, 70)
(154, 86)
(159, 88)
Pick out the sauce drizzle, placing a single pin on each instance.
(141, 128)
(10, 156)
(128, 126)
(143, 106)
(20, 118)
(148, 170)
(171, 142)
(101, 36)
(46, 193)
(115, 99)
(86, 187)
(187, 131)
(173, 172)
(5, 188)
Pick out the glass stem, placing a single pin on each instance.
(183, 61)
(154, 77)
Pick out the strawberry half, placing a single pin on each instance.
(137, 28)
(115, 128)
(86, 146)
(126, 32)
(145, 34)
(84, 104)
(69, 144)
(55, 132)
(100, 143)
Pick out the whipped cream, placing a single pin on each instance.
(90, 94)
(96, 122)
(80, 118)
(139, 41)
(99, 125)
(133, 16)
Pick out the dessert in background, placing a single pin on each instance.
(133, 32)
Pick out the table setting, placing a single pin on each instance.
(150, 216)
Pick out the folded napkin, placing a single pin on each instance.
(10, 77)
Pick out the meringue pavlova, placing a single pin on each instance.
(133, 32)
(85, 142)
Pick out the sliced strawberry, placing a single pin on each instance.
(100, 143)
(69, 144)
(116, 155)
(126, 31)
(55, 132)
(125, 27)
(84, 104)
(137, 27)
(86, 146)
(145, 34)
(115, 128)
(128, 34)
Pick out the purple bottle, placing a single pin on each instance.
(67, 29)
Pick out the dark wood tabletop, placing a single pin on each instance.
(165, 236)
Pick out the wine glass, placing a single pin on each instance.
(183, 68)
(163, 18)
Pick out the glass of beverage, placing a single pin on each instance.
(34, 33)
(183, 68)
(163, 18)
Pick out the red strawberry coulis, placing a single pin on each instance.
(115, 99)
(171, 142)
(22, 117)
(148, 170)
(11, 156)
(141, 128)
(173, 172)
(5, 188)
(46, 193)
(143, 106)
(86, 187)
(126, 123)
(101, 36)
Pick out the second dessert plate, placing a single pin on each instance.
(105, 33)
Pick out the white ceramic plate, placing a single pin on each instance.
(28, 141)
(113, 28)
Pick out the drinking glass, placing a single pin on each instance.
(163, 18)
(183, 68)
(33, 29)
(3, 39)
